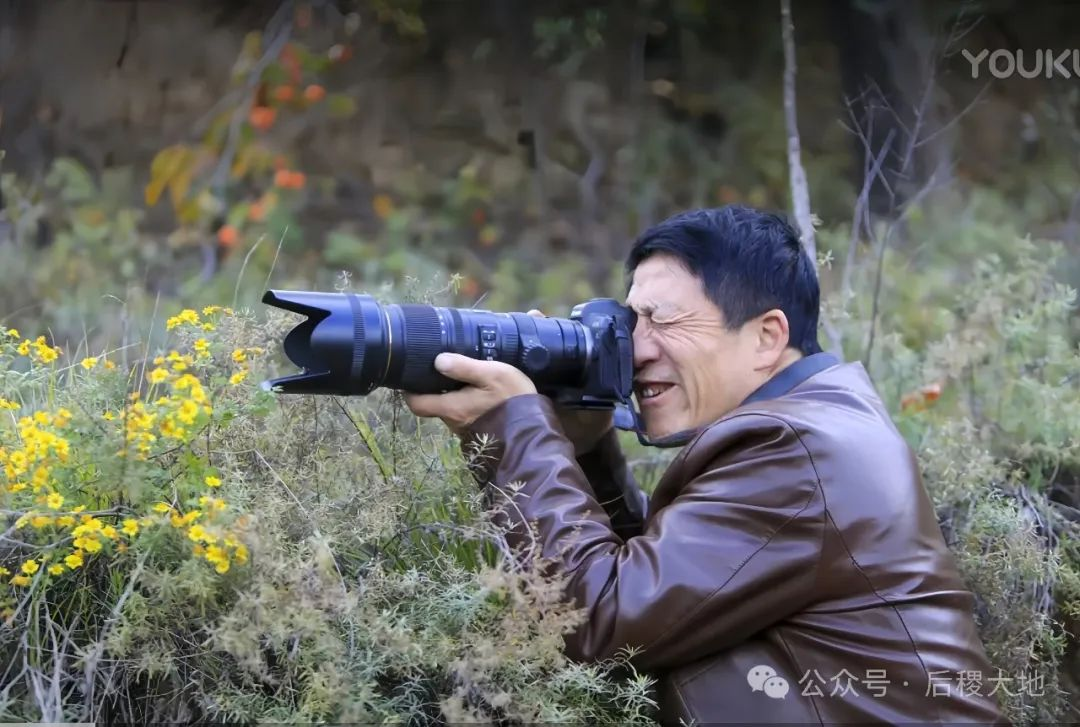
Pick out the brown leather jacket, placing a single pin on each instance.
(789, 567)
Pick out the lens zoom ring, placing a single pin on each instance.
(423, 342)
(358, 337)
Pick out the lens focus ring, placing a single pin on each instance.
(423, 342)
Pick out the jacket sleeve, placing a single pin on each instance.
(614, 485)
(735, 551)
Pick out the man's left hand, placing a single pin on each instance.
(489, 383)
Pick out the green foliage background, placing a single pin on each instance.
(376, 587)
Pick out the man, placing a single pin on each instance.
(789, 566)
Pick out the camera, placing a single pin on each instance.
(351, 344)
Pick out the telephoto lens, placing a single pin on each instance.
(351, 344)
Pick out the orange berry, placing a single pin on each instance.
(284, 93)
(228, 235)
(282, 178)
(931, 392)
(257, 211)
(262, 117)
(339, 53)
(314, 93)
(297, 180)
(469, 288)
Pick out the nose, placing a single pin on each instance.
(645, 348)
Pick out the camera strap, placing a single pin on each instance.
(628, 419)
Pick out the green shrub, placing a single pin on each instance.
(184, 546)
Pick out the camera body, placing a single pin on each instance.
(610, 377)
(351, 344)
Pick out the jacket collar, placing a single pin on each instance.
(628, 418)
(792, 376)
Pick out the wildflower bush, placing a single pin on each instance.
(979, 364)
(181, 545)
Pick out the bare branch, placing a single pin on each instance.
(800, 193)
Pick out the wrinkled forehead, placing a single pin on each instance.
(663, 281)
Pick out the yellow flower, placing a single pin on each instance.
(5, 404)
(130, 526)
(218, 557)
(187, 412)
(213, 503)
(20, 581)
(109, 365)
(14, 333)
(55, 501)
(63, 416)
(41, 521)
(158, 375)
(89, 362)
(239, 356)
(108, 416)
(237, 377)
(89, 526)
(74, 560)
(89, 545)
(109, 532)
(186, 381)
(65, 521)
(196, 533)
(201, 346)
(29, 567)
(56, 569)
(241, 554)
(186, 316)
(162, 507)
(207, 311)
(212, 481)
(4, 571)
(208, 327)
(24, 348)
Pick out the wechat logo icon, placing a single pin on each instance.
(763, 678)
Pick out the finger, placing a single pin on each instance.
(451, 407)
(464, 369)
(536, 313)
(424, 405)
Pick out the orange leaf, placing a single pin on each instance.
(228, 235)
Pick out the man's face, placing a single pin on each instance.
(689, 370)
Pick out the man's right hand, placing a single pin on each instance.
(583, 427)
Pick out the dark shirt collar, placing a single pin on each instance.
(792, 376)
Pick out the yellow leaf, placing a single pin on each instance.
(188, 212)
(383, 206)
(166, 164)
(179, 185)
(244, 158)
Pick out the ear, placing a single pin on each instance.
(772, 337)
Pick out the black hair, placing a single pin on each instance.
(749, 261)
